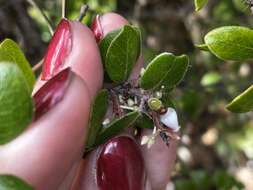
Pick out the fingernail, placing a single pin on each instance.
(97, 28)
(51, 93)
(120, 165)
(58, 49)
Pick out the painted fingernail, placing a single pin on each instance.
(97, 28)
(51, 93)
(120, 165)
(58, 49)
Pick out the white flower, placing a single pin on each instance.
(170, 119)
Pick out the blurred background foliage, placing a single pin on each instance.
(216, 150)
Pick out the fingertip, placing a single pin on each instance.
(159, 160)
(84, 58)
(111, 21)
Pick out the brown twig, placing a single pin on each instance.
(37, 66)
(83, 11)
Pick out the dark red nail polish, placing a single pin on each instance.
(58, 49)
(120, 165)
(97, 28)
(51, 93)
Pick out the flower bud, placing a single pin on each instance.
(170, 119)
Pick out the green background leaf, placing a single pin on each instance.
(231, 43)
(199, 4)
(98, 112)
(10, 52)
(16, 104)
(117, 126)
(9, 182)
(242, 103)
(120, 52)
(164, 70)
(210, 78)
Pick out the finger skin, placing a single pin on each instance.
(159, 161)
(52, 144)
(84, 58)
(111, 21)
(47, 151)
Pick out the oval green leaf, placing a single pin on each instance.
(98, 112)
(199, 4)
(242, 103)
(116, 126)
(9, 182)
(16, 105)
(164, 70)
(120, 50)
(231, 43)
(10, 52)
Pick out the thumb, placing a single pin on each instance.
(54, 142)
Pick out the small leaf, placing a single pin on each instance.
(199, 4)
(10, 52)
(231, 43)
(9, 182)
(145, 122)
(117, 126)
(16, 105)
(242, 103)
(106, 42)
(203, 47)
(98, 112)
(210, 78)
(120, 50)
(164, 70)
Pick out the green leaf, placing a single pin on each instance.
(98, 112)
(199, 4)
(231, 43)
(116, 126)
(164, 70)
(210, 78)
(242, 103)
(16, 105)
(9, 182)
(167, 101)
(119, 50)
(10, 52)
(106, 42)
(145, 122)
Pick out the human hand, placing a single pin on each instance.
(48, 155)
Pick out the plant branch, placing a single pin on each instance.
(63, 8)
(47, 20)
(37, 66)
(83, 11)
